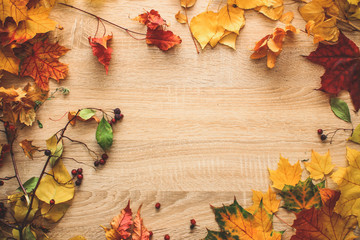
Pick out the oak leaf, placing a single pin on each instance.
(348, 181)
(342, 67)
(101, 50)
(43, 63)
(324, 223)
(162, 39)
(28, 148)
(304, 195)
(151, 19)
(285, 174)
(269, 201)
(270, 46)
(320, 165)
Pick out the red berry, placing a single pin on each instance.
(113, 120)
(79, 170)
(102, 161)
(157, 205)
(78, 182)
(1, 183)
(193, 222)
(121, 116)
(167, 237)
(80, 176)
(52, 202)
(73, 172)
(320, 131)
(12, 128)
(96, 163)
(150, 234)
(104, 156)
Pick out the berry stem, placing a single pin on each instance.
(107, 21)
(84, 144)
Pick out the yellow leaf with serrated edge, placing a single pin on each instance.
(231, 17)
(348, 181)
(263, 223)
(271, 204)
(54, 212)
(285, 174)
(229, 39)
(204, 27)
(57, 185)
(320, 165)
(8, 61)
(181, 18)
(187, 3)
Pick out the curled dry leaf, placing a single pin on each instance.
(151, 19)
(187, 3)
(270, 46)
(181, 18)
(287, 17)
(162, 39)
(28, 148)
(101, 50)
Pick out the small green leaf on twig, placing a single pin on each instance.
(340, 109)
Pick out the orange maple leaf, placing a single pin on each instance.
(151, 19)
(140, 232)
(15, 9)
(43, 63)
(28, 148)
(162, 39)
(271, 45)
(101, 50)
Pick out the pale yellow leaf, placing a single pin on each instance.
(181, 18)
(187, 3)
(229, 39)
(54, 212)
(231, 18)
(320, 165)
(204, 27)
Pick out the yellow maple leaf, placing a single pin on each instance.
(204, 27)
(271, 204)
(348, 180)
(285, 174)
(8, 61)
(264, 225)
(231, 17)
(57, 185)
(320, 165)
(15, 9)
(187, 3)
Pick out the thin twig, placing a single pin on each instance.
(91, 14)
(192, 36)
(85, 145)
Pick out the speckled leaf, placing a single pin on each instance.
(212, 235)
(303, 195)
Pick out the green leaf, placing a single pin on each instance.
(104, 134)
(40, 124)
(340, 109)
(30, 184)
(28, 234)
(355, 137)
(303, 195)
(212, 235)
(58, 152)
(86, 113)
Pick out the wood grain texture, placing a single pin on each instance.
(198, 129)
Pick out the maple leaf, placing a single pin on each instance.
(28, 148)
(304, 195)
(13, 8)
(270, 46)
(37, 22)
(236, 223)
(43, 63)
(19, 104)
(319, 166)
(139, 232)
(286, 174)
(162, 39)
(101, 50)
(8, 61)
(324, 223)
(270, 203)
(342, 67)
(348, 180)
(151, 19)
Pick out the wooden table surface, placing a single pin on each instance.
(198, 129)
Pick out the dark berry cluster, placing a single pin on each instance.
(102, 161)
(2, 210)
(323, 137)
(117, 116)
(79, 175)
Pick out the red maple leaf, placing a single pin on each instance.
(342, 67)
(42, 63)
(162, 39)
(151, 19)
(101, 50)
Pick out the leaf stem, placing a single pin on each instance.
(345, 21)
(282, 220)
(192, 36)
(91, 14)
